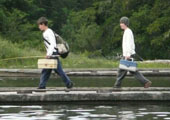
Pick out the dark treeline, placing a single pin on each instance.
(90, 25)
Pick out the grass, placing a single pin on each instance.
(9, 50)
(77, 61)
(154, 65)
(81, 61)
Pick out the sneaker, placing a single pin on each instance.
(70, 85)
(148, 84)
(41, 88)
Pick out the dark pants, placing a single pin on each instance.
(123, 73)
(45, 75)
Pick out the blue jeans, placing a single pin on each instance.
(45, 75)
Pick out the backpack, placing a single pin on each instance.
(62, 46)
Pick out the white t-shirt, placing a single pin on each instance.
(49, 41)
(128, 44)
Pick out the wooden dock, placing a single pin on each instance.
(31, 95)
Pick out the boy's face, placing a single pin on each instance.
(42, 27)
(123, 26)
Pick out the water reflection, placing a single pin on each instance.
(85, 112)
(81, 82)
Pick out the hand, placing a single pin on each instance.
(47, 57)
(127, 57)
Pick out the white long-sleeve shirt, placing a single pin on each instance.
(49, 41)
(128, 44)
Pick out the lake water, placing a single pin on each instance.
(121, 111)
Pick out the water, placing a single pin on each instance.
(85, 111)
(82, 82)
(121, 111)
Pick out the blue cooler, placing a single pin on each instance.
(128, 65)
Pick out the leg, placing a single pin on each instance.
(142, 79)
(45, 74)
(61, 73)
(120, 77)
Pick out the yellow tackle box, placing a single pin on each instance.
(47, 63)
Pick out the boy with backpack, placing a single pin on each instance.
(51, 46)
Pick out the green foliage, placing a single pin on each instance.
(90, 25)
(149, 21)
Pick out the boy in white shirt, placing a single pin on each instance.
(50, 45)
(128, 47)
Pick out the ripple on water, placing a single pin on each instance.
(126, 112)
(33, 107)
(162, 115)
(37, 112)
(81, 110)
(84, 113)
(99, 116)
(138, 115)
(17, 117)
(104, 107)
(76, 118)
(9, 106)
(142, 109)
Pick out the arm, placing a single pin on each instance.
(52, 43)
(129, 44)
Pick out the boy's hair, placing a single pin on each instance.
(124, 20)
(42, 20)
